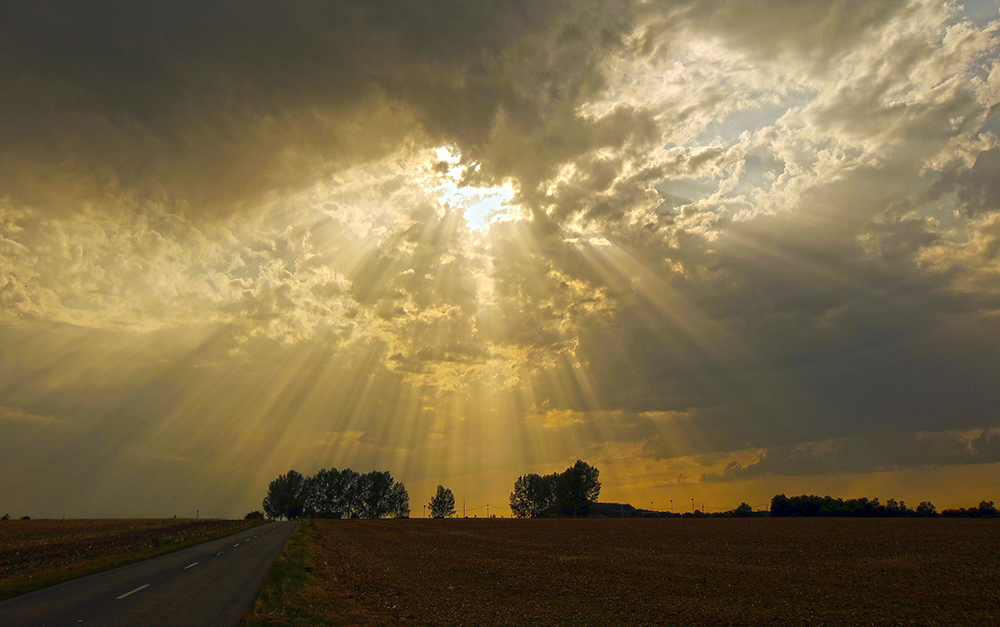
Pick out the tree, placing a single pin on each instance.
(443, 503)
(577, 488)
(337, 494)
(744, 510)
(349, 493)
(285, 496)
(894, 508)
(254, 515)
(988, 510)
(322, 495)
(375, 490)
(926, 508)
(399, 501)
(780, 506)
(570, 493)
(533, 495)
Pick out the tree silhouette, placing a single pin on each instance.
(399, 501)
(577, 488)
(285, 496)
(988, 510)
(570, 493)
(337, 494)
(327, 492)
(348, 493)
(375, 490)
(533, 495)
(443, 503)
(813, 505)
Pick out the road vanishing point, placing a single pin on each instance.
(212, 584)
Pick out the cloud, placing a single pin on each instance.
(682, 228)
(814, 33)
(889, 451)
(213, 105)
(976, 187)
(16, 415)
(987, 238)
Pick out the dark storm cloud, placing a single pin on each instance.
(978, 187)
(214, 103)
(887, 451)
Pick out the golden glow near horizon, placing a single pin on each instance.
(719, 251)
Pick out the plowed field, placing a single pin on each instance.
(660, 572)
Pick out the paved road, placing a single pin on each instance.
(211, 584)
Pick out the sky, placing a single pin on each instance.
(718, 250)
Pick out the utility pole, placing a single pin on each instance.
(487, 510)
(463, 509)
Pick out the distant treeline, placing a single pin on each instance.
(624, 510)
(813, 505)
(986, 509)
(337, 494)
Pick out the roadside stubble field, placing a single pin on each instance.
(41, 552)
(658, 572)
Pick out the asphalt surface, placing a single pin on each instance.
(211, 584)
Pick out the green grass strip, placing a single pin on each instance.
(288, 596)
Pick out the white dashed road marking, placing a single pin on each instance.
(190, 565)
(132, 592)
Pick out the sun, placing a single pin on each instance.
(480, 206)
(483, 206)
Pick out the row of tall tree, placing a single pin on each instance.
(812, 505)
(570, 493)
(333, 493)
(986, 509)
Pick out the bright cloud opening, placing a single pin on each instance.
(480, 206)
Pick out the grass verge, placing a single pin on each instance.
(292, 595)
(45, 578)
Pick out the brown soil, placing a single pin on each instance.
(29, 547)
(660, 572)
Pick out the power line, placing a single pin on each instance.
(488, 507)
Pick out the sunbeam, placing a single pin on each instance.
(716, 250)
